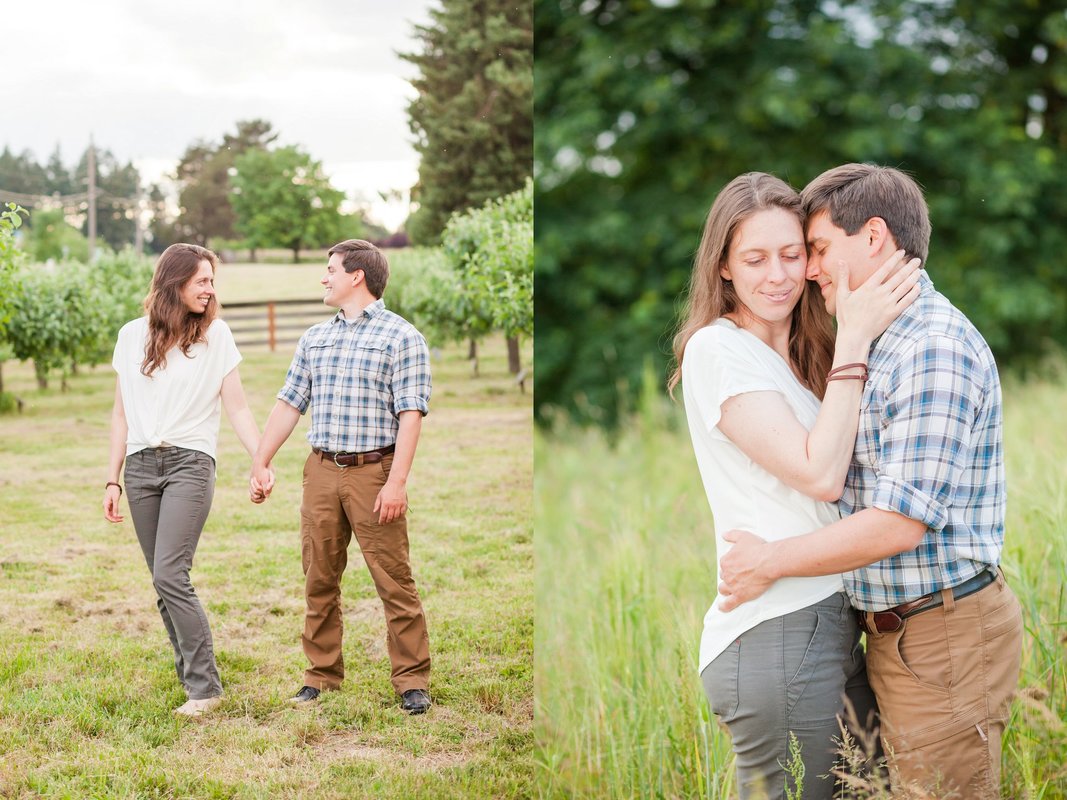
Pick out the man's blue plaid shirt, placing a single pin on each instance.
(930, 447)
(357, 377)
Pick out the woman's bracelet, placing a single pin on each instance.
(843, 367)
(835, 374)
(846, 378)
(112, 483)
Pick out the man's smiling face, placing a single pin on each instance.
(828, 246)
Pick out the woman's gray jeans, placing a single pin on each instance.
(790, 674)
(169, 490)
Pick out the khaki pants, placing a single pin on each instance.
(944, 684)
(336, 502)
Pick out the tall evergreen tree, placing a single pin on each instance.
(20, 172)
(58, 179)
(473, 118)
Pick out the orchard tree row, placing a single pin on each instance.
(63, 323)
(479, 281)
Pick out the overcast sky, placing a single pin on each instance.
(147, 78)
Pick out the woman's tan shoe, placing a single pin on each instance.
(197, 708)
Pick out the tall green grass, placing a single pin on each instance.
(625, 556)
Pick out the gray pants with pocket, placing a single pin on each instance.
(790, 674)
(169, 491)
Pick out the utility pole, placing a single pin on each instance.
(138, 237)
(92, 199)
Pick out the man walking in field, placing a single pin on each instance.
(365, 374)
(923, 505)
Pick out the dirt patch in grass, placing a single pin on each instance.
(354, 747)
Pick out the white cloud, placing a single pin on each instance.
(147, 79)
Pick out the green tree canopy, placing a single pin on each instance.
(644, 112)
(283, 198)
(473, 116)
(491, 250)
(204, 173)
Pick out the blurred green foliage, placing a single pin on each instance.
(645, 110)
(51, 237)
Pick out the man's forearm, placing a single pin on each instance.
(280, 424)
(852, 542)
(407, 439)
(752, 565)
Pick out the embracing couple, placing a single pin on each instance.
(365, 375)
(896, 417)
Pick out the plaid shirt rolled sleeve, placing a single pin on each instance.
(297, 389)
(930, 447)
(925, 438)
(411, 374)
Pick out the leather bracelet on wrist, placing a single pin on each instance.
(113, 483)
(836, 373)
(847, 378)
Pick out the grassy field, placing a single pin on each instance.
(248, 283)
(86, 677)
(625, 564)
(244, 282)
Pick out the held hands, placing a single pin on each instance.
(111, 504)
(391, 502)
(870, 309)
(260, 483)
(744, 571)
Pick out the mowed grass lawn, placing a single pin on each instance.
(625, 572)
(87, 683)
(244, 282)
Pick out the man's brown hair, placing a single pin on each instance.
(853, 193)
(360, 254)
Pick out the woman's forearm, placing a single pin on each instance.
(119, 432)
(244, 425)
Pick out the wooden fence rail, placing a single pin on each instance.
(273, 322)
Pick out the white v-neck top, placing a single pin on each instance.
(180, 404)
(721, 361)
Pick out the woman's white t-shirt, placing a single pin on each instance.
(721, 361)
(180, 404)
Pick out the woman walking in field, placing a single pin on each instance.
(756, 354)
(174, 366)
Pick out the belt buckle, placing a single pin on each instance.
(888, 621)
(338, 463)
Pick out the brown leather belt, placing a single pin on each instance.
(355, 459)
(892, 619)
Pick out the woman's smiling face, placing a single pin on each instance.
(766, 263)
(199, 289)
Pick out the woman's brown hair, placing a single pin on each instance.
(710, 296)
(170, 322)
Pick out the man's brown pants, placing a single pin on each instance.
(337, 501)
(944, 684)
